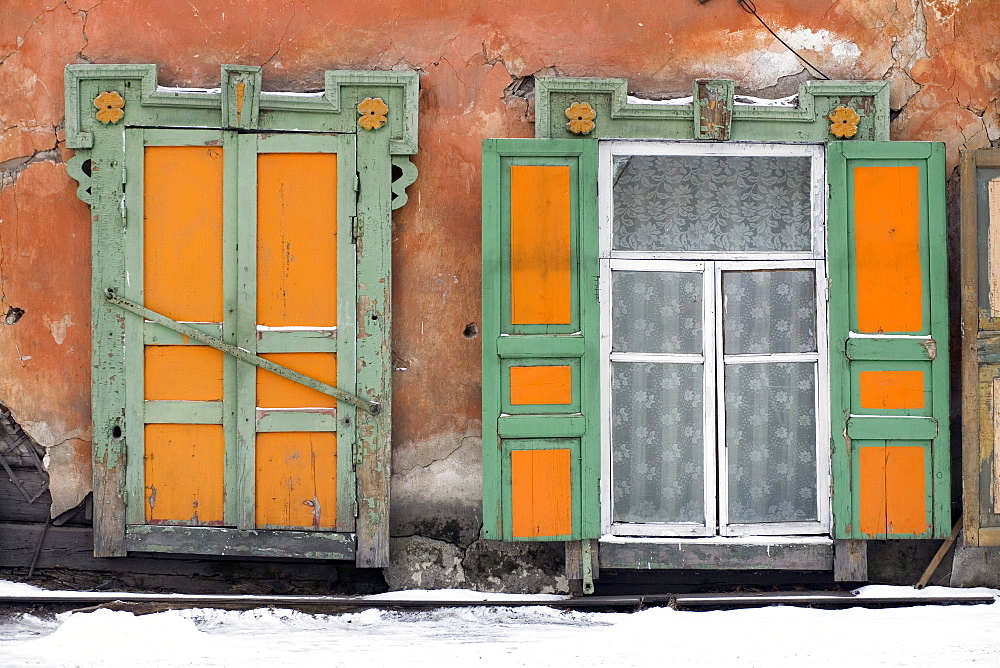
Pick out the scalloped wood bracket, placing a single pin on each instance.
(713, 106)
(800, 118)
(241, 97)
(79, 168)
(404, 173)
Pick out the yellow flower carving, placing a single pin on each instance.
(109, 107)
(844, 122)
(373, 111)
(581, 118)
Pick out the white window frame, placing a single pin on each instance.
(706, 359)
(711, 265)
(821, 398)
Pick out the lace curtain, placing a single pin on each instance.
(711, 203)
(658, 432)
(656, 312)
(657, 420)
(769, 312)
(771, 441)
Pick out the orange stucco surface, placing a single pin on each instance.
(939, 55)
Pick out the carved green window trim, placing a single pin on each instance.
(850, 118)
(618, 116)
(97, 127)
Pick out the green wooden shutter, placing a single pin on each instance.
(889, 340)
(541, 426)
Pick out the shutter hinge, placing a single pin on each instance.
(357, 182)
(356, 229)
(356, 456)
(124, 210)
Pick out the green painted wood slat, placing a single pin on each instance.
(180, 412)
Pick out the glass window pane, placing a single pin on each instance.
(711, 203)
(769, 311)
(771, 442)
(656, 312)
(657, 437)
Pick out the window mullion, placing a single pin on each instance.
(715, 425)
(719, 402)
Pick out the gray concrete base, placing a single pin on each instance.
(975, 566)
(418, 562)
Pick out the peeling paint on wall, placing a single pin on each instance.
(476, 64)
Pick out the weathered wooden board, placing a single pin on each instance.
(71, 548)
(14, 507)
(850, 560)
(240, 542)
(980, 291)
(812, 556)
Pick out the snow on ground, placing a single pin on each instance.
(528, 636)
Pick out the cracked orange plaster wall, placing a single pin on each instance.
(940, 57)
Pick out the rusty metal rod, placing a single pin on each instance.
(241, 354)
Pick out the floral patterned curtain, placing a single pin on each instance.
(657, 423)
(711, 203)
(657, 420)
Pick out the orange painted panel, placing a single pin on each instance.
(892, 492)
(540, 244)
(297, 239)
(182, 232)
(297, 479)
(887, 249)
(541, 385)
(184, 473)
(891, 389)
(273, 391)
(183, 373)
(541, 493)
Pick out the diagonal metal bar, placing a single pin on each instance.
(241, 354)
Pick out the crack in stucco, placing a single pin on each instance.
(423, 565)
(281, 40)
(401, 472)
(83, 14)
(424, 562)
(11, 169)
(20, 39)
(907, 52)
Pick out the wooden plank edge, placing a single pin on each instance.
(240, 542)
